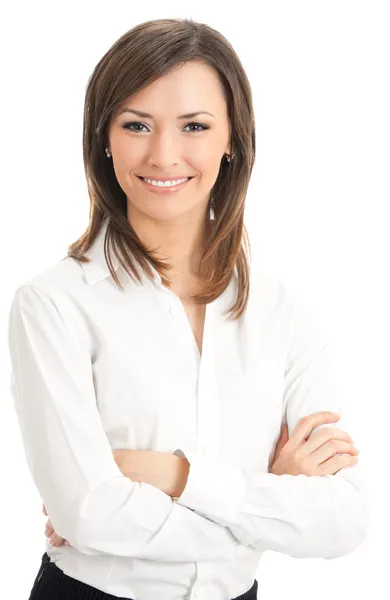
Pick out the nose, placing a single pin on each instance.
(164, 152)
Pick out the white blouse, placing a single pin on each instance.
(95, 368)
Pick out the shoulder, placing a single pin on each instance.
(270, 293)
(54, 300)
(64, 276)
(274, 299)
(58, 292)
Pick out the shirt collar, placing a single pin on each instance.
(97, 269)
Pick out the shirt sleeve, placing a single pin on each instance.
(301, 516)
(90, 502)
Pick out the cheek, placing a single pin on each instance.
(119, 173)
(207, 163)
(209, 172)
(123, 170)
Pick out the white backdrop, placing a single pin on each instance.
(317, 214)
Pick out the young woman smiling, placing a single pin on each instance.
(152, 370)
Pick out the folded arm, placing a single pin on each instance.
(90, 502)
(300, 516)
(165, 471)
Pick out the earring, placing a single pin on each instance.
(229, 157)
(108, 153)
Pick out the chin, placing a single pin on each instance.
(167, 215)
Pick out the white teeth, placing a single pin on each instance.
(164, 183)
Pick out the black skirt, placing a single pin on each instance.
(51, 583)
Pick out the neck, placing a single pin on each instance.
(179, 243)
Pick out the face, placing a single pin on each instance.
(166, 145)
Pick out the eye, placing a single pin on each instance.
(130, 126)
(202, 125)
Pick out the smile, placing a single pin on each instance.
(161, 187)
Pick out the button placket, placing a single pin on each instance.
(208, 442)
(176, 309)
(208, 426)
(205, 573)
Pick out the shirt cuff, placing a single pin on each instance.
(213, 489)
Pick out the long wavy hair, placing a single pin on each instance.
(138, 58)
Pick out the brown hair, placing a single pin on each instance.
(142, 55)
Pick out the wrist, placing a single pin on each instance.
(183, 470)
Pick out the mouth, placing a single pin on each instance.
(161, 188)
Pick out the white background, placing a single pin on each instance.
(317, 213)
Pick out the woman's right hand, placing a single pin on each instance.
(326, 452)
(55, 539)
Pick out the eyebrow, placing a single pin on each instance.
(145, 115)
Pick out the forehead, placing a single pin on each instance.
(190, 87)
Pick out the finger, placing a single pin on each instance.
(44, 510)
(283, 436)
(326, 451)
(320, 437)
(306, 425)
(337, 462)
(56, 540)
(283, 439)
(49, 530)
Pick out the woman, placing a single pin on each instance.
(152, 373)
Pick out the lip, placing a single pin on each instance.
(164, 190)
(173, 177)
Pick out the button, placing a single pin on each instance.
(172, 310)
(179, 452)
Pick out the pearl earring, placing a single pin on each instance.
(108, 153)
(229, 157)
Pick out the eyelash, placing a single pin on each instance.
(202, 125)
